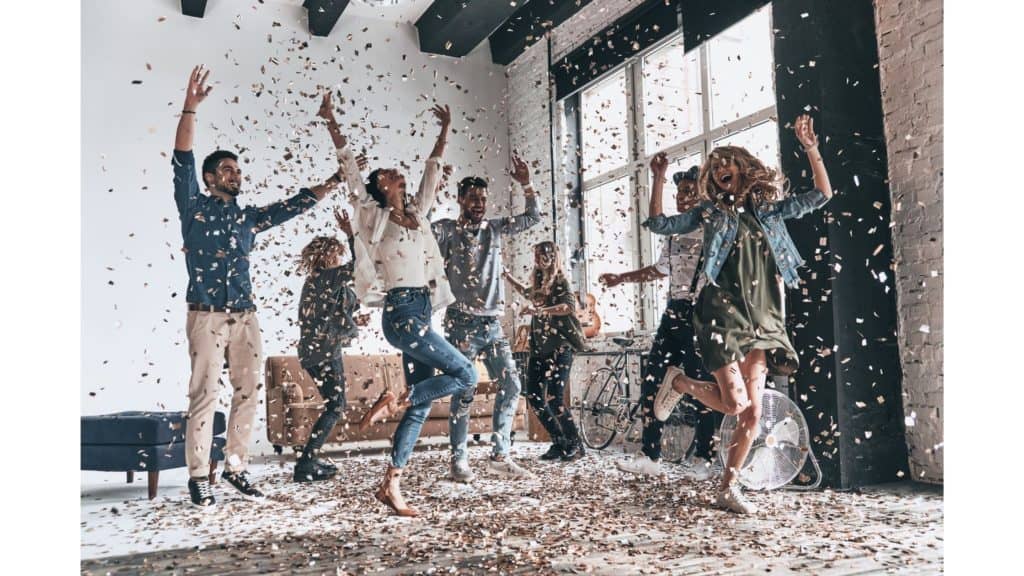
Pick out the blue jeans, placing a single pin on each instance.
(482, 336)
(406, 326)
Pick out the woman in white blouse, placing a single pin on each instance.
(399, 267)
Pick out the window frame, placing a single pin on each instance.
(637, 165)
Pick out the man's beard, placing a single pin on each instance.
(233, 192)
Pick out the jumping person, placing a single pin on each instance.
(738, 316)
(218, 237)
(555, 337)
(471, 247)
(399, 266)
(674, 342)
(327, 323)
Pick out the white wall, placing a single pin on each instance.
(134, 278)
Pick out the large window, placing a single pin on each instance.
(677, 102)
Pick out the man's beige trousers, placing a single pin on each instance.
(212, 338)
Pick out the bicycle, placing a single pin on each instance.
(606, 408)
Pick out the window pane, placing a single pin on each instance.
(603, 121)
(611, 247)
(762, 141)
(669, 208)
(672, 99)
(741, 65)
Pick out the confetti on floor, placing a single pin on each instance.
(583, 517)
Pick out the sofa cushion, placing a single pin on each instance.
(140, 428)
(125, 457)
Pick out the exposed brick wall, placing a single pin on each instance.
(590, 20)
(529, 117)
(910, 51)
(910, 63)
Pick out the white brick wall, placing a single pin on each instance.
(587, 22)
(910, 58)
(529, 117)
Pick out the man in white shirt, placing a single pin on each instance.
(674, 342)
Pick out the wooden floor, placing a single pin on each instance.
(575, 519)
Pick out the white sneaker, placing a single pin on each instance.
(696, 468)
(667, 398)
(509, 469)
(732, 499)
(640, 465)
(460, 471)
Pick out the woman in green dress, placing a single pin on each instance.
(738, 317)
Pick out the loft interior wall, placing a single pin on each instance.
(265, 69)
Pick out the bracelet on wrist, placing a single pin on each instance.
(186, 111)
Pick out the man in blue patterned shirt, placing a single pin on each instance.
(218, 236)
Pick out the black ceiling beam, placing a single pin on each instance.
(323, 15)
(631, 33)
(193, 8)
(456, 27)
(527, 25)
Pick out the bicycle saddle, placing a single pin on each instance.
(624, 342)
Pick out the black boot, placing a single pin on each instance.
(573, 451)
(555, 452)
(310, 470)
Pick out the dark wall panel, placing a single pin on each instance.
(456, 27)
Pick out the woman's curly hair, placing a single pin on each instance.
(766, 185)
(321, 252)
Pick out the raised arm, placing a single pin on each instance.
(349, 166)
(799, 205)
(659, 165)
(445, 116)
(327, 113)
(531, 216)
(809, 140)
(432, 172)
(341, 217)
(195, 93)
(186, 184)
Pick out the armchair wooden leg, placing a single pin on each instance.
(213, 471)
(154, 479)
(131, 476)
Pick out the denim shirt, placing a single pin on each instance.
(720, 229)
(219, 235)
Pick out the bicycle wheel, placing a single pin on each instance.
(676, 438)
(678, 433)
(597, 410)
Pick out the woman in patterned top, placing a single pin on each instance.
(326, 321)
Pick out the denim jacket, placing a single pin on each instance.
(720, 231)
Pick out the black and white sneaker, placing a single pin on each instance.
(201, 493)
(240, 480)
(312, 471)
(327, 464)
